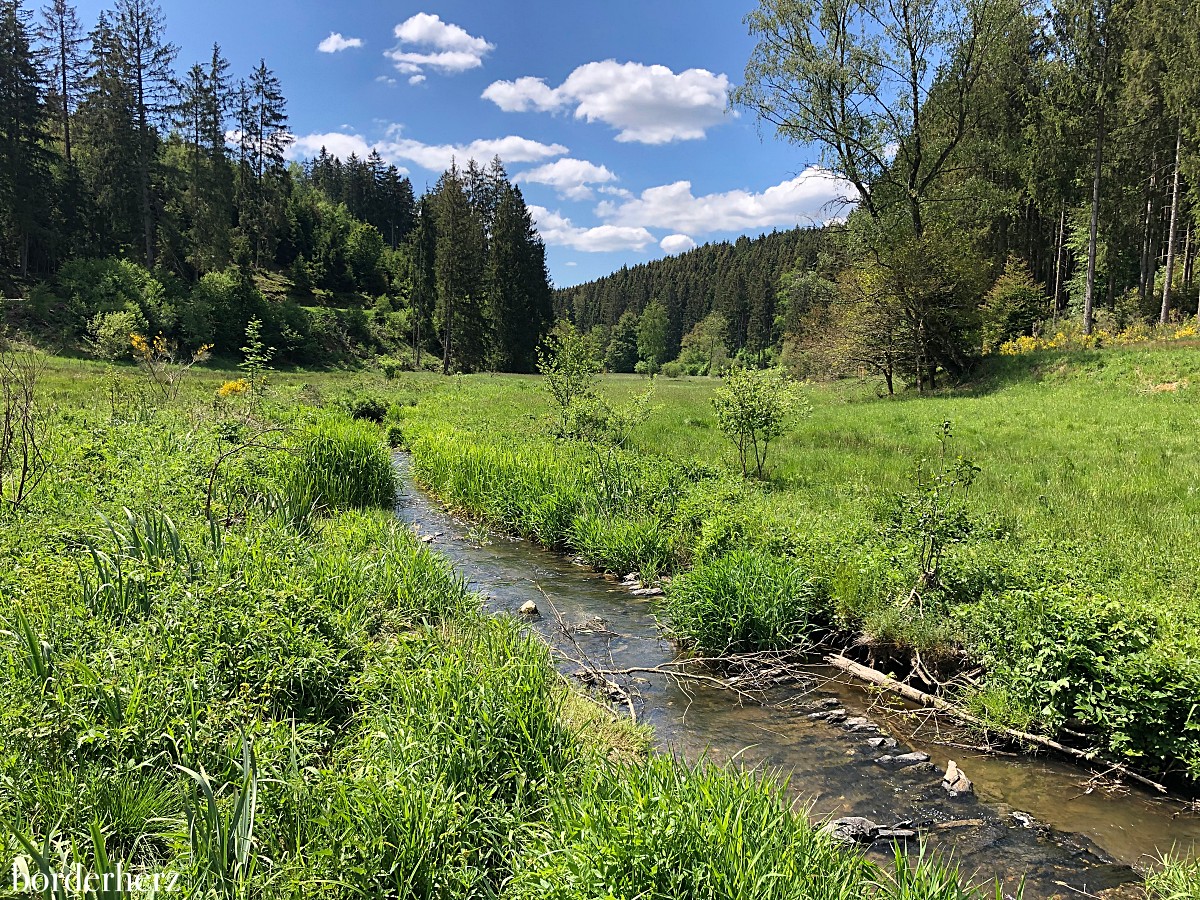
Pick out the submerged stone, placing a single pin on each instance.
(903, 760)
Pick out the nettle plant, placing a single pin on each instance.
(935, 514)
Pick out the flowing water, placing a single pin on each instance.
(1032, 819)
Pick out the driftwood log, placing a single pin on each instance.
(887, 683)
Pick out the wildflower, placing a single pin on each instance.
(233, 388)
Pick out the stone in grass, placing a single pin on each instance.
(956, 782)
(647, 592)
(528, 608)
(903, 760)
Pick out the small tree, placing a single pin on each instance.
(1012, 306)
(652, 336)
(754, 407)
(702, 350)
(23, 460)
(569, 370)
(256, 359)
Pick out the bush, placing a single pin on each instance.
(743, 602)
(367, 408)
(674, 370)
(109, 333)
(390, 366)
(348, 465)
(752, 408)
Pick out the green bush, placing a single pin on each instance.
(1055, 658)
(745, 601)
(109, 332)
(349, 465)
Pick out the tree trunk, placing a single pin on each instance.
(1094, 226)
(1058, 262)
(1187, 259)
(1166, 294)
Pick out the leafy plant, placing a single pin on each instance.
(754, 407)
(934, 515)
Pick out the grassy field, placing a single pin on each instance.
(224, 660)
(1073, 584)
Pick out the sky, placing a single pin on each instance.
(611, 116)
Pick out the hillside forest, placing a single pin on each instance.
(1017, 172)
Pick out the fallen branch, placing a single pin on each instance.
(887, 683)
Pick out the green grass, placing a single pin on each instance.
(1088, 495)
(296, 698)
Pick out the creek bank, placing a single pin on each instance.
(829, 766)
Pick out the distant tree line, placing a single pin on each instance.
(1017, 169)
(133, 196)
(736, 281)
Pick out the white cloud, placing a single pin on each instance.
(812, 196)
(416, 79)
(647, 104)
(569, 177)
(438, 45)
(435, 157)
(385, 79)
(556, 229)
(335, 43)
(677, 243)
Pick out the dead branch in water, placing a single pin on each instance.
(887, 683)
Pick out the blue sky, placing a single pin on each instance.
(611, 115)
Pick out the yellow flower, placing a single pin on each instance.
(233, 388)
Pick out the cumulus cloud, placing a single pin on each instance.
(677, 243)
(426, 42)
(416, 79)
(812, 196)
(435, 157)
(336, 43)
(646, 104)
(571, 178)
(557, 230)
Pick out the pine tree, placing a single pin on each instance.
(24, 163)
(145, 62)
(264, 138)
(460, 268)
(62, 42)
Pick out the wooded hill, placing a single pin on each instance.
(136, 197)
(739, 280)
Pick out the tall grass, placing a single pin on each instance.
(745, 601)
(345, 464)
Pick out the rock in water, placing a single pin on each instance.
(903, 760)
(852, 830)
(529, 608)
(956, 782)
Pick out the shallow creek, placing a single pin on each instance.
(1031, 818)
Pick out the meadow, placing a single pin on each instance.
(226, 662)
(1066, 596)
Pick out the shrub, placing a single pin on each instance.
(110, 332)
(348, 464)
(753, 407)
(367, 408)
(390, 366)
(743, 602)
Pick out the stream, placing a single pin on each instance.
(1032, 818)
